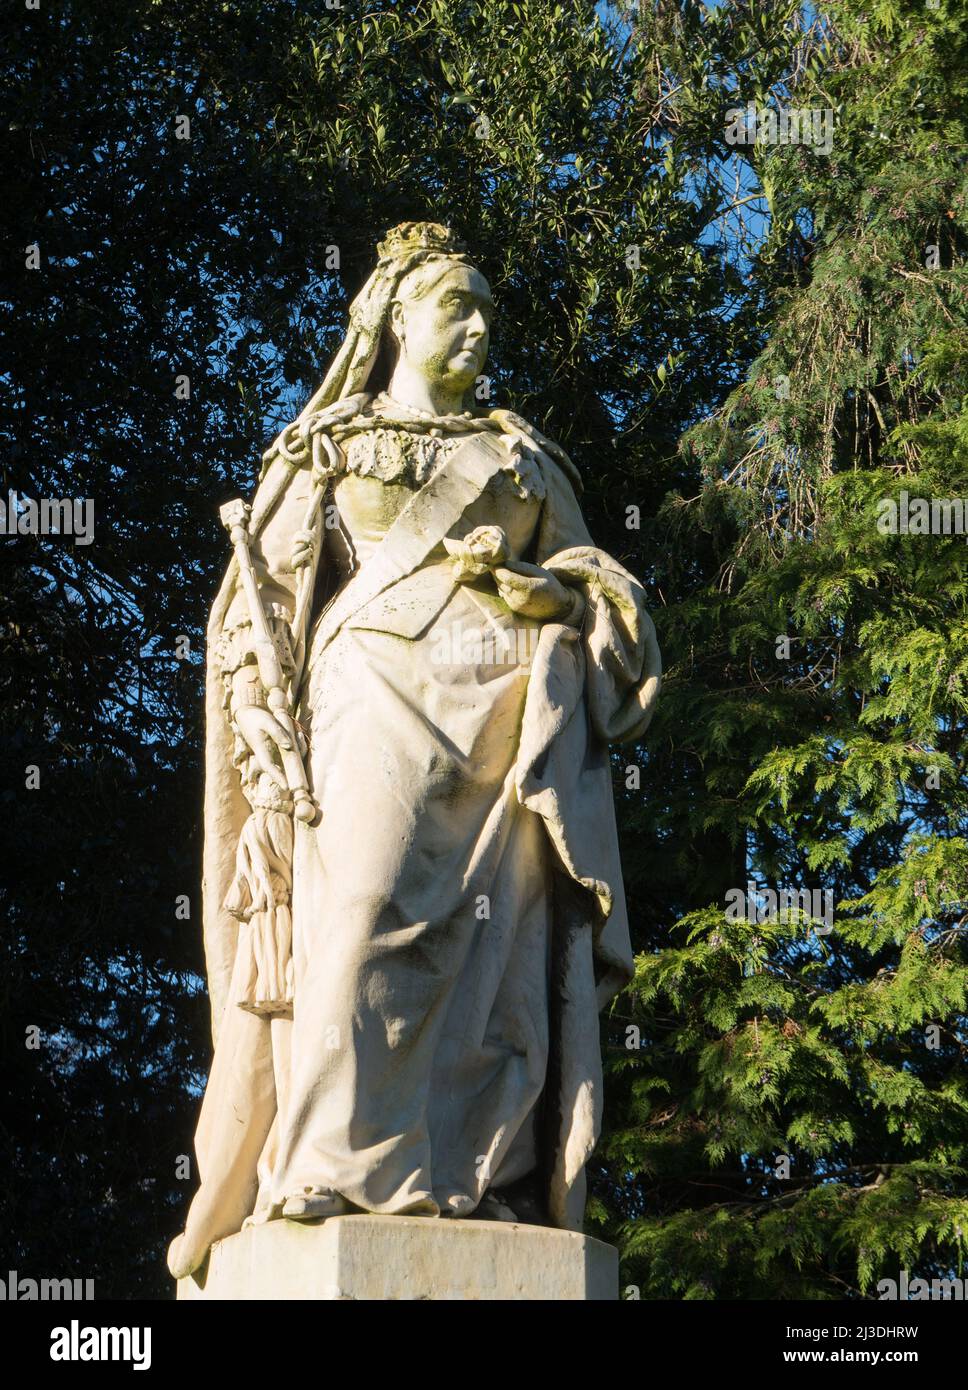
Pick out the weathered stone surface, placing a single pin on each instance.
(403, 1257)
(412, 893)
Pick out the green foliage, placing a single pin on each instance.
(833, 759)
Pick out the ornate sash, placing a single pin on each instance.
(427, 518)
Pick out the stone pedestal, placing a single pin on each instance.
(405, 1257)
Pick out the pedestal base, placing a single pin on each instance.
(405, 1257)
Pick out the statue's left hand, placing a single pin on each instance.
(534, 592)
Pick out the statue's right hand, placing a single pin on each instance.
(266, 738)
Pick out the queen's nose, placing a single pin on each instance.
(477, 326)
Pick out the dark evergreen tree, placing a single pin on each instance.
(797, 1113)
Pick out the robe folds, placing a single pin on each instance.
(458, 915)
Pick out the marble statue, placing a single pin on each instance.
(413, 904)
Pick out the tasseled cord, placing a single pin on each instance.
(260, 898)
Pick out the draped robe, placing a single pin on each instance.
(458, 916)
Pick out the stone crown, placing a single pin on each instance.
(409, 237)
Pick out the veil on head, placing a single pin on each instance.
(405, 247)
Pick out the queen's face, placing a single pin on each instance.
(444, 335)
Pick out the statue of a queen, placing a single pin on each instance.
(413, 903)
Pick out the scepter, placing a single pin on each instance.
(235, 518)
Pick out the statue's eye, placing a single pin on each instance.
(466, 303)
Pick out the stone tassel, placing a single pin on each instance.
(260, 898)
